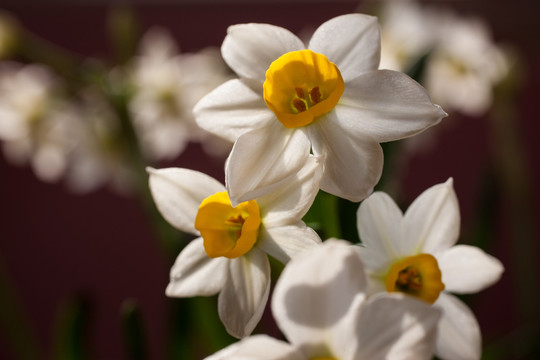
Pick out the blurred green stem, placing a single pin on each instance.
(14, 323)
(513, 172)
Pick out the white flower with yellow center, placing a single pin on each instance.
(229, 257)
(327, 99)
(414, 253)
(320, 304)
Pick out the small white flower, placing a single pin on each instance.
(100, 157)
(167, 85)
(406, 34)
(35, 123)
(465, 64)
(414, 253)
(320, 304)
(229, 256)
(329, 99)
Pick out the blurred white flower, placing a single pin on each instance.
(465, 65)
(330, 99)
(35, 122)
(166, 87)
(100, 155)
(406, 34)
(229, 256)
(320, 304)
(415, 254)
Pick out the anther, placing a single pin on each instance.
(299, 105)
(300, 92)
(315, 95)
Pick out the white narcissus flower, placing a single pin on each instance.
(406, 34)
(167, 85)
(229, 256)
(415, 253)
(465, 65)
(329, 99)
(35, 123)
(320, 304)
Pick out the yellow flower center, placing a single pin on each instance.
(227, 231)
(418, 276)
(301, 86)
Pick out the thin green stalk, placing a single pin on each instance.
(513, 172)
(15, 324)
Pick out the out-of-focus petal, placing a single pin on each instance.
(353, 164)
(261, 159)
(195, 274)
(243, 298)
(460, 337)
(305, 302)
(291, 200)
(431, 224)
(379, 224)
(249, 49)
(352, 42)
(232, 109)
(468, 269)
(178, 194)
(396, 326)
(258, 347)
(387, 105)
(285, 242)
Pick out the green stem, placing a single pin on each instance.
(513, 172)
(15, 324)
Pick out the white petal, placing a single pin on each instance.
(286, 242)
(387, 105)
(261, 159)
(379, 226)
(377, 264)
(352, 42)
(249, 49)
(432, 222)
(395, 326)
(291, 200)
(459, 335)
(468, 269)
(232, 109)
(258, 347)
(195, 274)
(178, 194)
(353, 164)
(242, 301)
(305, 302)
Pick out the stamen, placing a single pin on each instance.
(300, 92)
(299, 105)
(409, 279)
(418, 276)
(315, 95)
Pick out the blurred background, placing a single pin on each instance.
(91, 92)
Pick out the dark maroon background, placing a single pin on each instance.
(55, 244)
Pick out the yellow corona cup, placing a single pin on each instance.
(418, 276)
(227, 231)
(301, 86)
